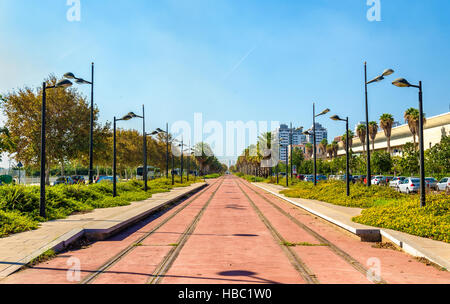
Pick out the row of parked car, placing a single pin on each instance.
(78, 179)
(400, 183)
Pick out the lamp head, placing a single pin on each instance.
(376, 79)
(69, 76)
(64, 84)
(388, 72)
(127, 117)
(401, 83)
(160, 131)
(82, 81)
(324, 112)
(335, 118)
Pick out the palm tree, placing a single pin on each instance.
(335, 146)
(373, 131)
(412, 117)
(323, 146)
(361, 132)
(330, 151)
(350, 139)
(386, 123)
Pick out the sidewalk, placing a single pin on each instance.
(435, 251)
(19, 249)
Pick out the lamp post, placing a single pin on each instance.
(61, 84)
(91, 129)
(287, 163)
(337, 118)
(366, 83)
(167, 147)
(290, 150)
(403, 83)
(127, 117)
(315, 138)
(146, 152)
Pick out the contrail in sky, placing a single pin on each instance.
(239, 62)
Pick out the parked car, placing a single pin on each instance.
(63, 180)
(395, 182)
(378, 180)
(309, 178)
(78, 179)
(431, 183)
(102, 179)
(409, 185)
(444, 184)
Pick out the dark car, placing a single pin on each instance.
(78, 179)
(63, 180)
(102, 179)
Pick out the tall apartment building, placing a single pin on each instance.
(321, 134)
(284, 135)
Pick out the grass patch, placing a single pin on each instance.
(173, 245)
(45, 257)
(304, 244)
(19, 205)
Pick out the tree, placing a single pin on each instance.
(386, 123)
(6, 143)
(412, 117)
(409, 163)
(350, 139)
(68, 120)
(330, 151)
(373, 131)
(382, 162)
(309, 150)
(438, 158)
(361, 132)
(323, 146)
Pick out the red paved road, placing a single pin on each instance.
(236, 240)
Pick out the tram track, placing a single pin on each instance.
(296, 261)
(122, 254)
(338, 251)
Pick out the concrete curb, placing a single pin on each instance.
(62, 242)
(370, 235)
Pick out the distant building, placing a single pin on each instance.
(434, 129)
(396, 124)
(321, 134)
(285, 136)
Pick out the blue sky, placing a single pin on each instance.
(233, 60)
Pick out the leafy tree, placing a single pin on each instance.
(6, 143)
(438, 158)
(382, 162)
(68, 120)
(409, 163)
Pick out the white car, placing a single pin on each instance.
(444, 184)
(377, 180)
(409, 185)
(396, 182)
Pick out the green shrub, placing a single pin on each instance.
(334, 192)
(19, 205)
(432, 221)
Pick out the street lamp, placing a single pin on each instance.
(91, 130)
(63, 84)
(337, 118)
(167, 147)
(127, 117)
(403, 83)
(376, 79)
(326, 111)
